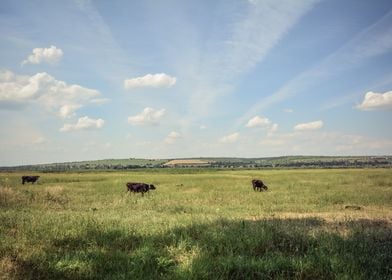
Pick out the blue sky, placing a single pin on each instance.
(162, 79)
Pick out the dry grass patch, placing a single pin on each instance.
(192, 190)
(9, 197)
(8, 267)
(55, 195)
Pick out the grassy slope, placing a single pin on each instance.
(198, 224)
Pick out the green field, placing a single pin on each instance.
(198, 224)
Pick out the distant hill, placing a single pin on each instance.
(187, 163)
(221, 162)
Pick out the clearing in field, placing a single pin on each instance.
(186, 162)
(198, 224)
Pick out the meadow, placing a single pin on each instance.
(198, 224)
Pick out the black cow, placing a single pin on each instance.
(259, 185)
(139, 187)
(29, 179)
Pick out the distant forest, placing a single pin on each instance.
(216, 163)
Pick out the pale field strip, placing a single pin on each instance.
(381, 214)
(187, 162)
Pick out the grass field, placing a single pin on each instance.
(198, 224)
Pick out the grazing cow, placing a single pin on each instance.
(259, 185)
(29, 179)
(139, 187)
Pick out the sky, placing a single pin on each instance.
(86, 80)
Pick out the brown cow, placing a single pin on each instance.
(29, 179)
(259, 185)
(139, 187)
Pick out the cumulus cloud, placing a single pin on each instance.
(376, 101)
(150, 80)
(264, 123)
(258, 122)
(231, 138)
(172, 137)
(68, 110)
(83, 123)
(147, 116)
(309, 126)
(42, 88)
(50, 55)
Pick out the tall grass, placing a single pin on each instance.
(198, 224)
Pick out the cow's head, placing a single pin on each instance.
(152, 187)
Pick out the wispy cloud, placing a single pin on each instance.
(371, 42)
(255, 33)
(376, 101)
(172, 137)
(231, 138)
(252, 35)
(49, 55)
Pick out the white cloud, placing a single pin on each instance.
(376, 101)
(83, 123)
(309, 126)
(258, 122)
(150, 80)
(264, 123)
(147, 116)
(172, 137)
(231, 138)
(45, 90)
(6, 76)
(68, 110)
(50, 55)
